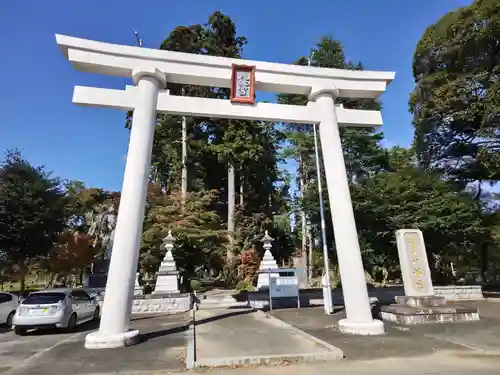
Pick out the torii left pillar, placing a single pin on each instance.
(114, 328)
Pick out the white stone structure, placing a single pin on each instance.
(167, 277)
(150, 70)
(414, 264)
(267, 263)
(137, 286)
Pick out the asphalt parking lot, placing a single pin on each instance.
(54, 352)
(20, 352)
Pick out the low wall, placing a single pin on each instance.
(156, 304)
(308, 297)
(314, 297)
(460, 292)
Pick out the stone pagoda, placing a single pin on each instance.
(267, 263)
(167, 277)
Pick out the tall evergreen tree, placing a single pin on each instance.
(363, 153)
(32, 212)
(456, 100)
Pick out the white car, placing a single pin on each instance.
(56, 308)
(8, 306)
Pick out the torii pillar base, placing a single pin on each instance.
(100, 340)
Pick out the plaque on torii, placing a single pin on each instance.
(243, 84)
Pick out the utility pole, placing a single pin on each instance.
(327, 300)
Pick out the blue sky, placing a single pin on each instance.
(89, 144)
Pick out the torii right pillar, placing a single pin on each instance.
(359, 318)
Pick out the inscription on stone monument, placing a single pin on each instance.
(414, 264)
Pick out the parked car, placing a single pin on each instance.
(8, 305)
(55, 308)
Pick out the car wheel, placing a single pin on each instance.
(97, 314)
(9, 319)
(71, 323)
(20, 331)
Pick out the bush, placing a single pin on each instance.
(248, 265)
(244, 286)
(195, 285)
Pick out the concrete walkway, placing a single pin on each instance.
(473, 338)
(243, 337)
(436, 364)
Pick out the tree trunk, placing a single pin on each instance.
(48, 284)
(303, 218)
(231, 201)
(310, 252)
(302, 213)
(484, 262)
(184, 175)
(385, 276)
(22, 276)
(242, 188)
(300, 262)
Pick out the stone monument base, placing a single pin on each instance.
(427, 310)
(167, 282)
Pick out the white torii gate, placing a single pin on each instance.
(150, 70)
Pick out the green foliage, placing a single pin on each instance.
(32, 211)
(363, 153)
(244, 285)
(414, 198)
(198, 230)
(456, 100)
(195, 285)
(251, 147)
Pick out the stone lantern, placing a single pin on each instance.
(267, 263)
(267, 241)
(167, 277)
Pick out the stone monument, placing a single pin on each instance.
(103, 232)
(420, 305)
(167, 277)
(267, 263)
(137, 286)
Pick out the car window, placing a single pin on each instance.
(44, 298)
(80, 295)
(4, 297)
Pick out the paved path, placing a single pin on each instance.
(481, 337)
(435, 364)
(232, 337)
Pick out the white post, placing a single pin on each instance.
(327, 288)
(114, 328)
(358, 312)
(327, 301)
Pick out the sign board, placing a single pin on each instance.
(243, 84)
(284, 287)
(414, 264)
